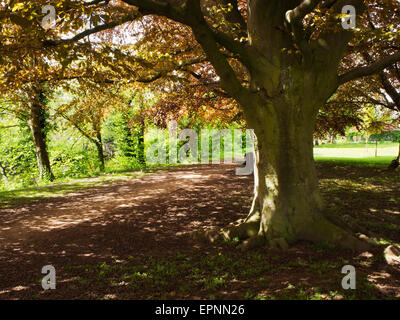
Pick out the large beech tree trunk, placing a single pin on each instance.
(37, 126)
(287, 204)
(396, 162)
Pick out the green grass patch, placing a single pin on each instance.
(25, 196)
(357, 145)
(371, 162)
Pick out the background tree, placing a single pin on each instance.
(17, 156)
(335, 117)
(34, 57)
(378, 38)
(375, 106)
(87, 112)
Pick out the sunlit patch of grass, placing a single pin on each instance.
(25, 196)
(357, 145)
(15, 197)
(371, 162)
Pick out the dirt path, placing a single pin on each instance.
(156, 212)
(131, 240)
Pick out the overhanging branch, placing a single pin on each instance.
(159, 7)
(89, 32)
(373, 68)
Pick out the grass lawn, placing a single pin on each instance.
(372, 162)
(16, 197)
(385, 152)
(23, 196)
(357, 145)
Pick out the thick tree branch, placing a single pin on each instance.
(190, 14)
(94, 2)
(331, 44)
(205, 36)
(93, 140)
(244, 53)
(295, 26)
(160, 7)
(389, 88)
(234, 16)
(370, 69)
(298, 13)
(89, 32)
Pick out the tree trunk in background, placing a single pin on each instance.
(128, 139)
(141, 156)
(4, 173)
(37, 125)
(100, 153)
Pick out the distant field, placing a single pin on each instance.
(357, 150)
(357, 145)
(372, 162)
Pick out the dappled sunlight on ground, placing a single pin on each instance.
(76, 209)
(132, 240)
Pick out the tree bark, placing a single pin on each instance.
(4, 173)
(100, 152)
(141, 156)
(128, 139)
(396, 162)
(37, 126)
(287, 204)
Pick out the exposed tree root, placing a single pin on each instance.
(351, 225)
(253, 242)
(324, 230)
(242, 230)
(249, 236)
(395, 164)
(392, 255)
